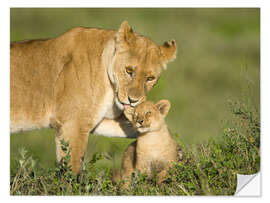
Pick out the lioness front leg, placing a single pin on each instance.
(72, 131)
(119, 127)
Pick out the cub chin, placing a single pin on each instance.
(155, 149)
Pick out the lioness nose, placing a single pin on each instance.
(131, 100)
(140, 122)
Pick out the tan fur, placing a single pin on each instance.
(78, 79)
(155, 149)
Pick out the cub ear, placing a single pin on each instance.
(125, 36)
(163, 107)
(129, 113)
(168, 51)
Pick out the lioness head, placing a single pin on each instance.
(136, 65)
(147, 116)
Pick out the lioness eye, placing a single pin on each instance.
(148, 113)
(151, 78)
(129, 70)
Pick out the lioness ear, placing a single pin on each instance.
(168, 51)
(129, 113)
(163, 107)
(125, 36)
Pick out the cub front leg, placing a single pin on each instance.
(72, 131)
(163, 173)
(162, 176)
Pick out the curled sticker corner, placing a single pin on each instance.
(248, 185)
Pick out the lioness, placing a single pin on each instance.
(155, 149)
(81, 81)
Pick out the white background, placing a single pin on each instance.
(4, 79)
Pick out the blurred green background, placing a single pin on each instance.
(218, 59)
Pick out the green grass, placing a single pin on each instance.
(207, 169)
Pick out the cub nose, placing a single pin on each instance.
(140, 122)
(132, 100)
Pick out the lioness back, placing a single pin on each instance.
(35, 66)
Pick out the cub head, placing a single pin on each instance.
(147, 116)
(136, 65)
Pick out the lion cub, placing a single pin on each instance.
(155, 148)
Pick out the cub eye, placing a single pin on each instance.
(148, 113)
(151, 78)
(129, 70)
